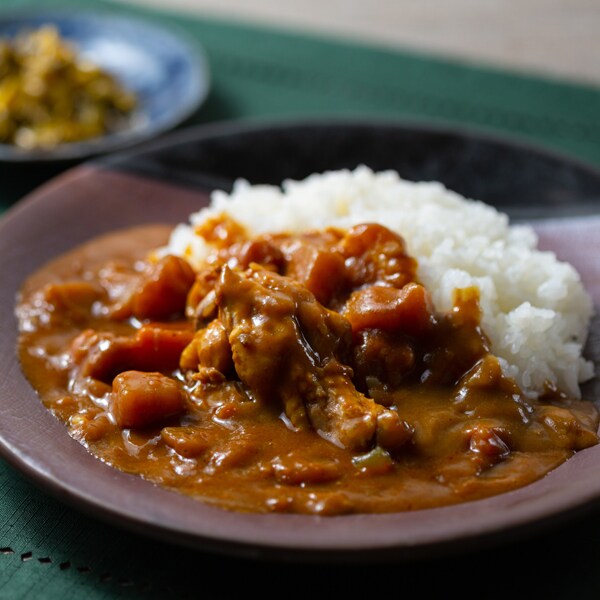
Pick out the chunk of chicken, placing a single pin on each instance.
(288, 348)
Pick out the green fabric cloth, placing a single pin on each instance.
(48, 550)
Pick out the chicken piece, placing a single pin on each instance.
(288, 348)
(209, 348)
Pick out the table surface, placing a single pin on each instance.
(550, 37)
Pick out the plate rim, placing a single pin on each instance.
(242, 125)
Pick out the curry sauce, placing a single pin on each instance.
(304, 373)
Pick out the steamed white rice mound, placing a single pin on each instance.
(536, 311)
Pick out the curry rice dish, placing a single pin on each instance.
(352, 342)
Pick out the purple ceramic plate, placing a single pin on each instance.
(166, 182)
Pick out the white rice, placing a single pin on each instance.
(536, 311)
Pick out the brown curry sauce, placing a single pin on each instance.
(290, 373)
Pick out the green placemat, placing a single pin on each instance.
(48, 550)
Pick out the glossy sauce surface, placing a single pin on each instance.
(304, 374)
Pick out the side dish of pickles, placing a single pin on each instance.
(50, 95)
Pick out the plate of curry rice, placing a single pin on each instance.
(309, 340)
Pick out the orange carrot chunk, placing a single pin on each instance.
(407, 310)
(159, 292)
(104, 355)
(141, 399)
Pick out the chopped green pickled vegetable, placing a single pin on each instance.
(50, 96)
(377, 461)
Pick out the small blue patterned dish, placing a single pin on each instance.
(168, 73)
